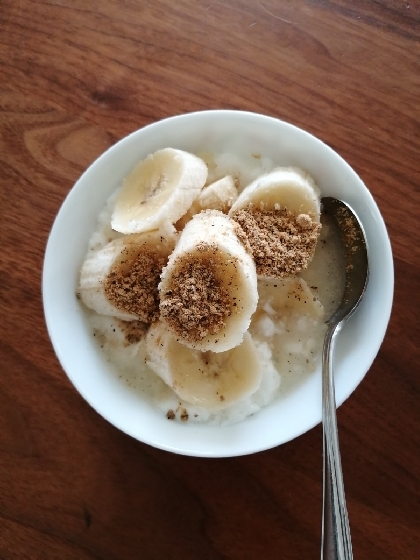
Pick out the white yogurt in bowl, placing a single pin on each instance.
(114, 379)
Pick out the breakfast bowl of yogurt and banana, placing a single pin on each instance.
(189, 276)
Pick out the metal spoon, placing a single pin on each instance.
(336, 539)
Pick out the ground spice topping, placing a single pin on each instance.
(282, 243)
(350, 235)
(241, 235)
(133, 331)
(196, 304)
(134, 288)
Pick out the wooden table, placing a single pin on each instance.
(78, 75)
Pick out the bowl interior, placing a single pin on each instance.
(87, 368)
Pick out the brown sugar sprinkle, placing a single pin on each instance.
(135, 289)
(241, 235)
(282, 243)
(196, 304)
(350, 235)
(348, 226)
(133, 331)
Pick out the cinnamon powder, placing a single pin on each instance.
(282, 243)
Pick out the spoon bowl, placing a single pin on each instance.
(336, 539)
(355, 255)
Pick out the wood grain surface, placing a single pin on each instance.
(78, 75)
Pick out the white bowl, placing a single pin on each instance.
(82, 360)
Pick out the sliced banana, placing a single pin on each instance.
(208, 291)
(292, 321)
(284, 187)
(121, 279)
(279, 213)
(159, 189)
(205, 379)
(285, 297)
(219, 195)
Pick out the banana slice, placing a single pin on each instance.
(205, 379)
(280, 214)
(208, 291)
(285, 187)
(292, 322)
(160, 188)
(219, 195)
(288, 296)
(122, 278)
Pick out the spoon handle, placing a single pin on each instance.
(336, 539)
